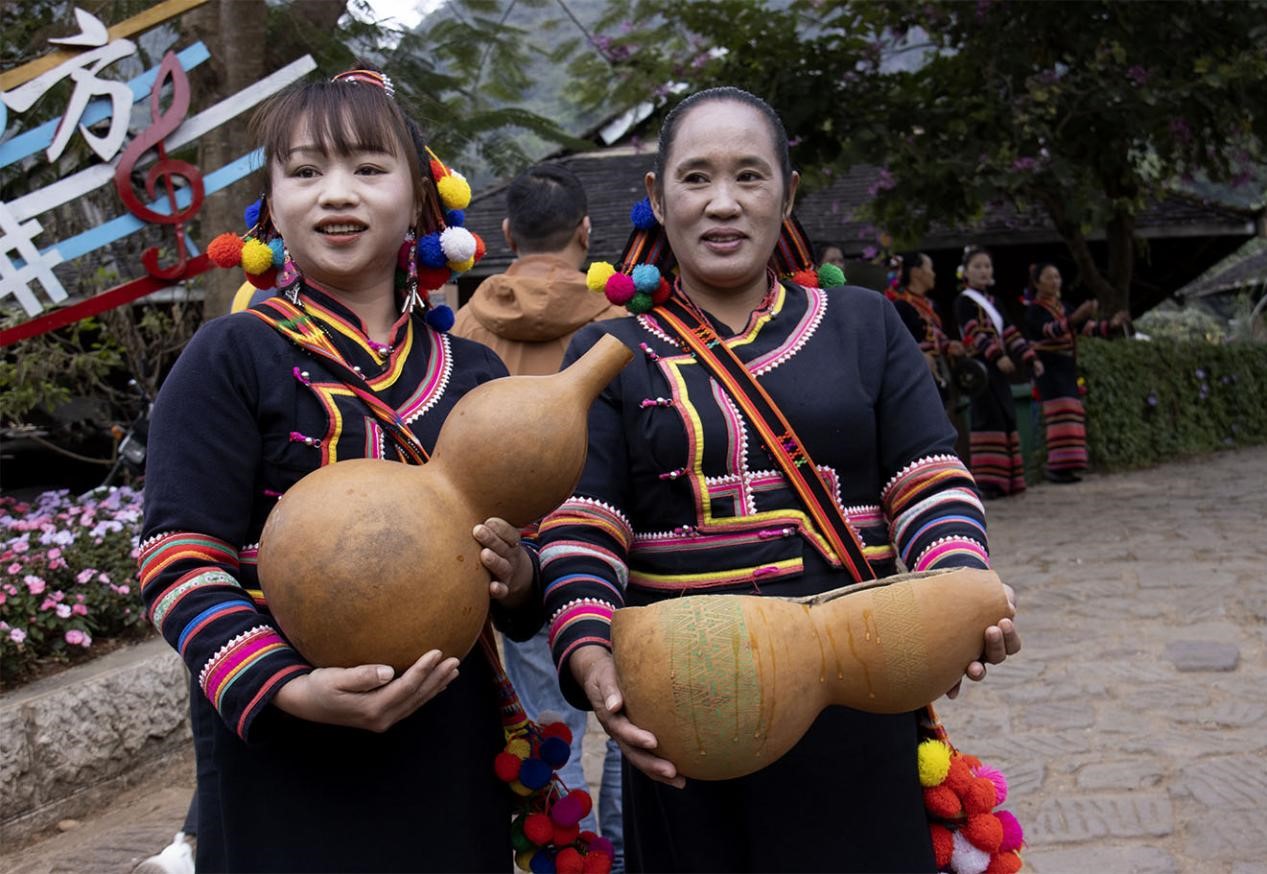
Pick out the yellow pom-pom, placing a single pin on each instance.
(598, 274)
(934, 762)
(524, 859)
(455, 193)
(519, 748)
(520, 789)
(257, 257)
(462, 266)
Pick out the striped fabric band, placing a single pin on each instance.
(160, 552)
(235, 659)
(576, 613)
(177, 591)
(586, 511)
(1066, 434)
(562, 550)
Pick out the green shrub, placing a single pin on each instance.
(1149, 402)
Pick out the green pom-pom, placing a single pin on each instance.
(640, 303)
(830, 276)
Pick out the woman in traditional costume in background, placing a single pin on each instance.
(996, 462)
(913, 279)
(329, 769)
(1053, 329)
(682, 494)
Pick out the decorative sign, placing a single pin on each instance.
(173, 190)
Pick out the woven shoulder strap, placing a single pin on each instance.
(775, 430)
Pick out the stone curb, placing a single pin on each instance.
(70, 742)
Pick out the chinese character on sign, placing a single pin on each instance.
(17, 237)
(83, 70)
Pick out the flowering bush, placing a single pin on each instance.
(69, 577)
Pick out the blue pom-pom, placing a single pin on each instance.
(441, 318)
(556, 752)
(542, 862)
(535, 773)
(279, 251)
(455, 218)
(642, 216)
(430, 252)
(252, 214)
(646, 278)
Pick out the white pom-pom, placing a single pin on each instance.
(967, 859)
(548, 717)
(458, 244)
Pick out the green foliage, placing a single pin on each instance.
(1083, 110)
(1149, 402)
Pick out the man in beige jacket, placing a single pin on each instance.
(527, 315)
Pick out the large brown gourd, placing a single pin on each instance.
(373, 562)
(729, 683)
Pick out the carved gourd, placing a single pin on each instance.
(729, 683)
(373, 562)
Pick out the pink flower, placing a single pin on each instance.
(21, 546)
(63, 611)
(104, 577)
(17, 635)
(81, 598)
(79, 610)
(48, 604)
(85, 575)
(35, 585)
(58, 596)
(10, 588)
(54, 553)
(57, 564)
(3, 598)
(15, 568)
(75, 637)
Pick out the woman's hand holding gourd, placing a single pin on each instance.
(367, 696)
(1001, 641)
(506, 560)
(595, 670)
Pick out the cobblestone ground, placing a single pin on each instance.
(1131, 726)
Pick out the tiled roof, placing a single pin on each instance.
(1244, 268)
(613, 183)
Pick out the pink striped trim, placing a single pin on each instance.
(930, 557)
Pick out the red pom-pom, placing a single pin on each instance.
(620, 289)
(506, 766)
(943, 845)
(225, 250)
(661, 294)
(538, 829)
(1004, 863)
(432, 278)
(806, 278)
(942, 802)
(559, 730)
(980, 797)
(971, 761)
(597, 863)
(984, 831)
(437, 170)
(569, 861)
(566, 834)
(480, 248)
(958, 777)
(267, 279)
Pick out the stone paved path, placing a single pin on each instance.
(1132, 725)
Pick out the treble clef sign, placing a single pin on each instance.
(164, 168)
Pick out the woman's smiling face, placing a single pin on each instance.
(343, 216)
(722, 200)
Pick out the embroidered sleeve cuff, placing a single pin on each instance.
(579, 623)
(522, 622)
(243, 676)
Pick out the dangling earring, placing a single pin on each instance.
(407, 260)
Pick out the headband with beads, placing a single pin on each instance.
(647, 260)
(445, 250)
